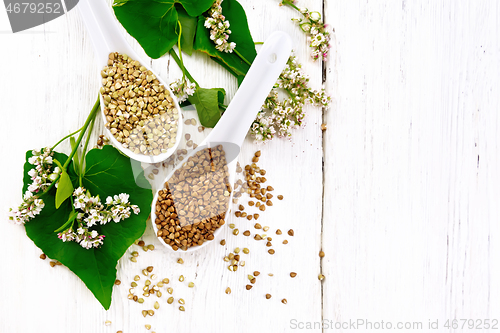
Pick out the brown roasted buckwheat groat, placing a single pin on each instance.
(195, 199)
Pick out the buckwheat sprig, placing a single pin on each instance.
(219, 28)
(281, 117)
(316, 30)
(42, 176)
(90, 212)
(28, 209)
(186, 86)
(182, 88)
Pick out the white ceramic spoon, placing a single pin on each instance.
(106, 38)
(232, 128)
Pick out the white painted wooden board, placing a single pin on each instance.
(408, 215)
(411, 211)
(38, 298)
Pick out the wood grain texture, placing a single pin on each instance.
(59, 59)
(405, 205)
(411, 153)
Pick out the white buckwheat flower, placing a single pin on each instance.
(92, 212)
(41, 176)
(279, 118)
(182, 89)
(312, 25)
(219, 28)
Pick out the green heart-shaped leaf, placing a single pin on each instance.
(207, 104)
(240, 34)
(108, 173)
(153, 23)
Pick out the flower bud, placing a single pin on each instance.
(315, 16)
(305, 27)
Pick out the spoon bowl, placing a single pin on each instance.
(231, 177)
(107, 38)
(229, 134)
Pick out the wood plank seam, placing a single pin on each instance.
(323, 117)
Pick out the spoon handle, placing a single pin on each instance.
(262, 75)
(103, 29)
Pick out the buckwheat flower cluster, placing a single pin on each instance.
(27, 210)
(182, 89)
(42, 175)
(317, 32)
(279, 117)
(219, 28)
(91, 212)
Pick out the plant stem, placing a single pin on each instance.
(269, 100)
(180, 51)
(259, 43)
(72, 210)
(80, 176)
(76, 162)
(290, 94)
(223, 106)
(181, 65)
(80, 137)
(72, 221)
(84, 127)
(289, 3)
(67, 136)
(242, 57)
